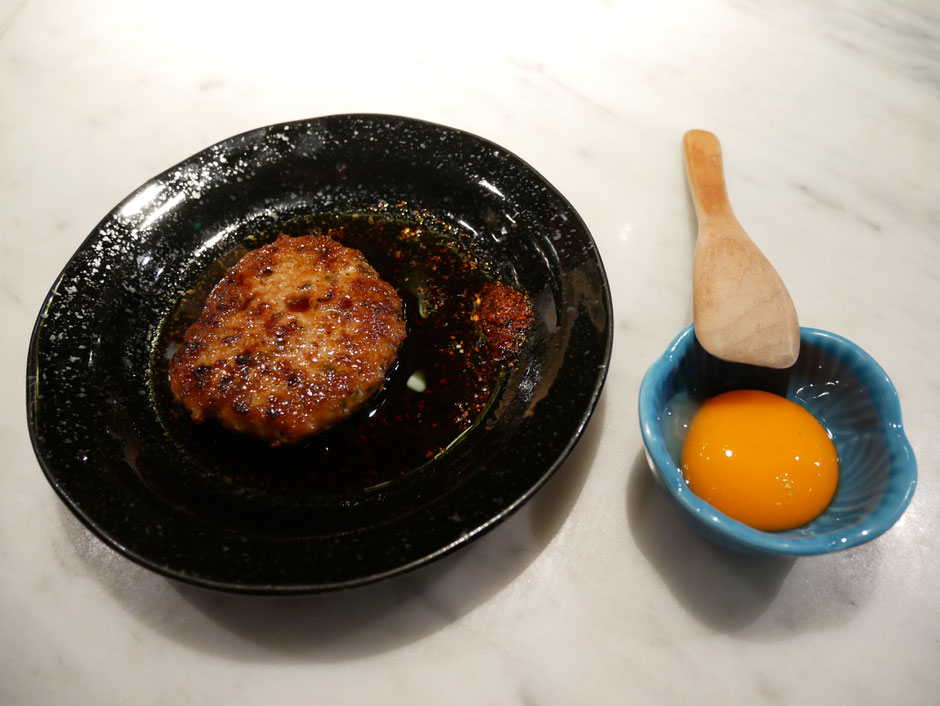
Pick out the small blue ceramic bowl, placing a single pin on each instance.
(835, 380)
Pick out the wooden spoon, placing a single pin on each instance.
(741, 309)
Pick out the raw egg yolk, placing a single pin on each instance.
(761, 459)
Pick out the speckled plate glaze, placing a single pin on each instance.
(159, 497)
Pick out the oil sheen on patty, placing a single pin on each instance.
(298, 335)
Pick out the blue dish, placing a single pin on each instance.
(835, 380)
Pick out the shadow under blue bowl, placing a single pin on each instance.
(839, 384)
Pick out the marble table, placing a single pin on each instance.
(595, 592)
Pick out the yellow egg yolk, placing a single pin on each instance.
(761, 459)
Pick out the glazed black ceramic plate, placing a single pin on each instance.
(201, 505)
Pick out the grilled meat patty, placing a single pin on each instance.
(296, 336)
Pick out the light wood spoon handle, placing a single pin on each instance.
(706, 175)
(741, 309)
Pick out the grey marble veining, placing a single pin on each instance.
(596, 592)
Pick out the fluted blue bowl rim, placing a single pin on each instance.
(737, 535)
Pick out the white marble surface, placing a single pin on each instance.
(595, 593)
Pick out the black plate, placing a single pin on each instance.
(151, 488)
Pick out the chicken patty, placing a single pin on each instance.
(296, 336)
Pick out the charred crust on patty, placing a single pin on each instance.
(293, 339)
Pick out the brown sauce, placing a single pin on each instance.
(445, 377)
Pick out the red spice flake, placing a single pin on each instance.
(504, 316)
